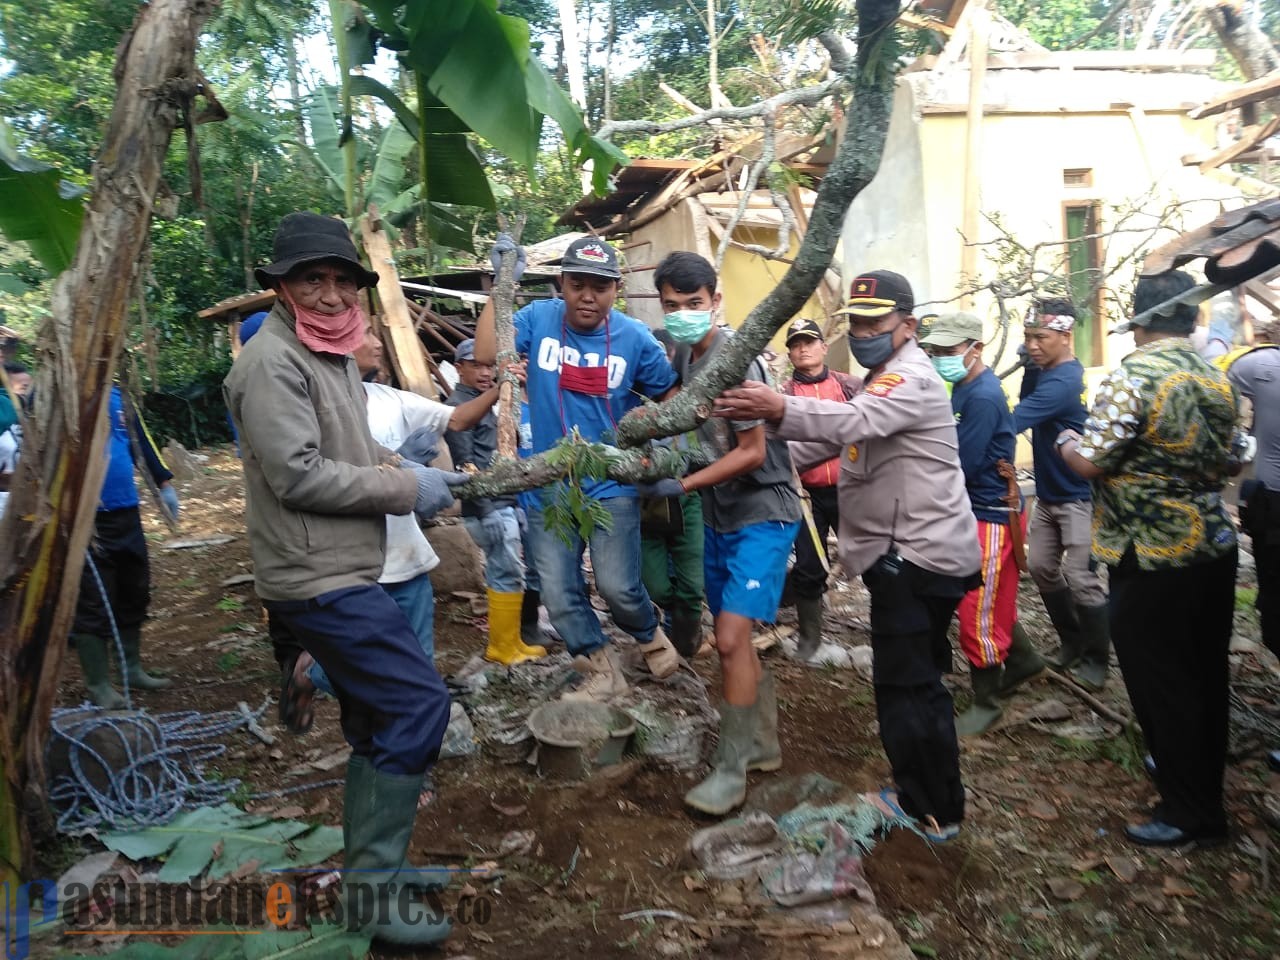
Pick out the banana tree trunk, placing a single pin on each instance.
(46, 530)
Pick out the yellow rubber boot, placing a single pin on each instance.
(505, 644)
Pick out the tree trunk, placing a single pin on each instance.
(855, 163)
(46, 530)
(1251, 49)
(295, 85)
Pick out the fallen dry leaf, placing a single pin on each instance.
(1239, 882)
(1177, 887)
(509, 811)
(692, 883)
(1042, 809)
(289, 813)
(728, 896)
(481, 936)
(1064, 888)
(467, 891)
(1125, 868)
(1088, 862)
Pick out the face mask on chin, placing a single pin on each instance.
(687, 326)
(338, 334)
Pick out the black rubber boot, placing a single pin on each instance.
(1095, 629)
(686, 631)
(94, 665)
(1062, 612)
(139, 679)
(808, 626)
(985, 708)
(378, 811)
(530, 632)
(1022, 664)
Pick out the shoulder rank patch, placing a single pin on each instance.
(853, 453)
(885, 384)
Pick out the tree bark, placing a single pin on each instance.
(46, 530)
(855, 163)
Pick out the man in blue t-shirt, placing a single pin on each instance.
(998, 650)
(588, 364)
(1060, 543)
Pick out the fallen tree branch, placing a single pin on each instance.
(506, 475)
(855, 163)
(1094, 703)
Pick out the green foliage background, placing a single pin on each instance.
(56, 94)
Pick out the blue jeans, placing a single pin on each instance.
(615, 559)
(394, 705)
(417, 601)
(498, 536)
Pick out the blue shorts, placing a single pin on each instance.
(745, 569)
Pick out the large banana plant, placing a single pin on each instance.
(38, 207)
(474, 72)
(462, 180)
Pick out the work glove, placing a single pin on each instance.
(666, 487)
(434, 493)
(421, 446)
(169, 497)
(505, 244)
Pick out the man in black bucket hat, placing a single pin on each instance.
(318, 489)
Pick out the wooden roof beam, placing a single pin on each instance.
(1264, 88)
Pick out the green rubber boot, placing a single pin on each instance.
(1070, 643)
(139, 679)
(808, 626)
(377, 822)
(726, 788)
(1022, 664)
(766, 753)
(985, 708)
(1095, 628)
(93, 664)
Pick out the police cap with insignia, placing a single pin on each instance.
(879, 293)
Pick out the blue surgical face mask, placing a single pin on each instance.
(687, 326)
(872, 351)
(952, 369)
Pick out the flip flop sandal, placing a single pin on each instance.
(929, 826)
(297, 710)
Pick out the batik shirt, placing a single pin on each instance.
(1161, 428)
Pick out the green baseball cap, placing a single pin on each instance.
(952, 328)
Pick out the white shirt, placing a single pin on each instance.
(393, 415)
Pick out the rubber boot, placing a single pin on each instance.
(505, 645)
(603, 676)
(1095, 628)
(686, 630)
(766, 752)
(985, 708)
(530, 632)
(1062, 613)
(378, 812)
(93, 664)
(139, 679)
(660, 656)
(1022, 664)
(808, 626)
(726, 787)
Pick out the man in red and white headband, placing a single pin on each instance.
(1060, 541)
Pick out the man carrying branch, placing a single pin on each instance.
(317, 491)
(588, 364)
(751, 513)
(905, 525)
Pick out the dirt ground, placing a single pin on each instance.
(1037, 871)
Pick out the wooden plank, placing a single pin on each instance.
(1264, 294)
(1264, 88)
(1137, 60)
(1250, 137)
(405, 348)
